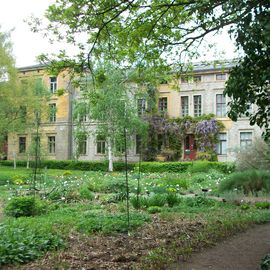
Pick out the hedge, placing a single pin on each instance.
(196, 166)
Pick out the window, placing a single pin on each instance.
(53, 84)
(51, 144)
(101, 145)
(184, 106)
(52, 112)
(184, 79)
(82, 145)
(245, 139)
(222, 144)
(141, 106)
(197, 78)
(22, 144)
(197, 105)
(220, 105)
(162, 104)
(138, 144)
(221, 77)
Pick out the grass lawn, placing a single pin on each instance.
(78, 215)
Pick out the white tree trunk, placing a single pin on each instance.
(110, 157)
(27, 164)
(14, 160)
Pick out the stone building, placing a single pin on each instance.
(199, 93)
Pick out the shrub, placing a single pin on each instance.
(265, 265)
(255, 156)
(262, 205)
(200, 166)
(135, 202)
(177, 167)
(157, 200)
(180, 182)
(172, 199)
(67, 173)
(85, 193)
(25, 206)
(199, 201)
(199, 178)
(19, 245)
(154, 209)
(244, 206)
(247, 181)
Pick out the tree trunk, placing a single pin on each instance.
(110, 155)
(14, 160)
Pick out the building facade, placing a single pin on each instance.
(199, 93)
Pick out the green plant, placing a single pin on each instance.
(154, 209)
(67, 173)
(157, 200)
(247, 181)
(172, 199)
(22, 244)
(85, 193)
(25, 206)
(135, 202)
(200, 166)
(199, 201)
(244, 206)
(262, 205)
(265, 265)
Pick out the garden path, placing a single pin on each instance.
(243, 251)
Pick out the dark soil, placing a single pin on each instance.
(243, 251)
(119, 252)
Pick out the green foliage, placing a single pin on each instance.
(265, 265)
(156, 200)
(255, 156)
(164, 166)
(247, 181)
(200, 166)
(262, 205)
(154, 209)
(135, 202)
(85, 193)
(147, 167)
(199, 201)
(23, 244)
(244, 206)
(25, 206)
(110, 223)
(172, 199)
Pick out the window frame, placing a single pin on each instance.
(244, 142)
(52, 112)
(141, 107)
(82, 146)
(100, 144)
(162, 104)
(221, 76)
(51, 144)
(184, 111)
(22, 150)
(222, 105)
(53, 84)
(220, 148)
(196, 114)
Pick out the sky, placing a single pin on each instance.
(27, 45)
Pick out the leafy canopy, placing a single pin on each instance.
(164, 32)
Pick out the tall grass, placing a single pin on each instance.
(251, 181)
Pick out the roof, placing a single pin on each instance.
(33, 67)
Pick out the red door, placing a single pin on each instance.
(189, 147)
